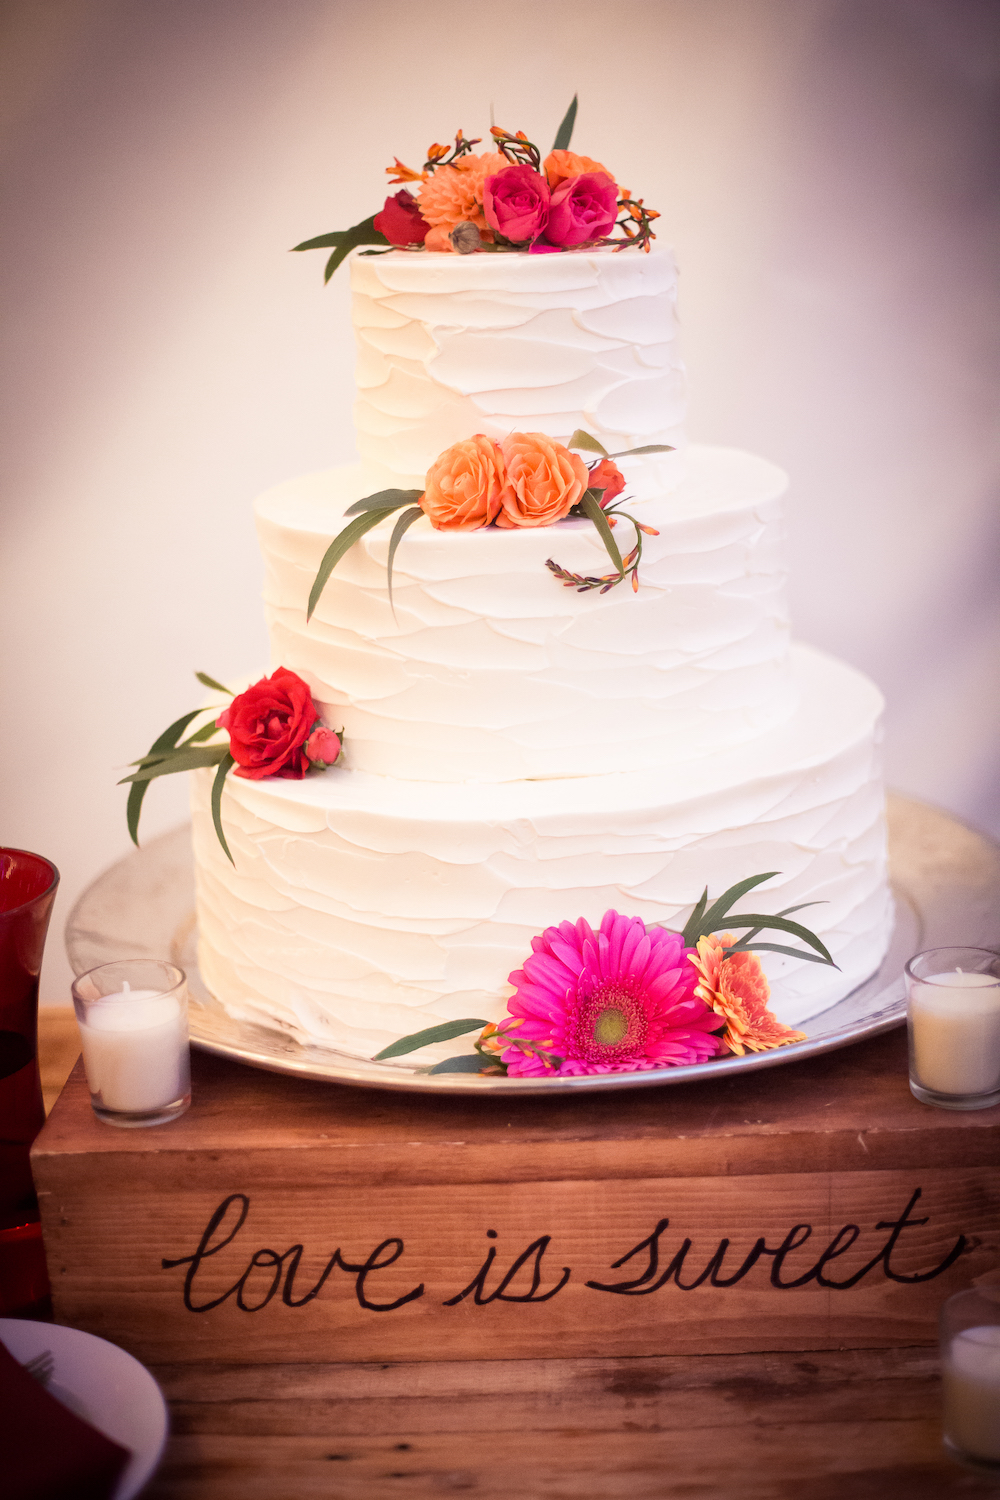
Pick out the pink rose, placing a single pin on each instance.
(583, 209)
(401, 221)
(323, 748)
(516, 203)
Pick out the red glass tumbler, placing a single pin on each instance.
(27, 891)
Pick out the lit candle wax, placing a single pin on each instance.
(135, 1050)
(972, 1391)
(955, 1019)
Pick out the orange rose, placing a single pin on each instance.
(453, 194)
(464, 486)
(559, 165)
(544, 480)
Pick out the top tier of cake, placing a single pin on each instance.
(450, 345)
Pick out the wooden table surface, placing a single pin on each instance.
(861, 1424)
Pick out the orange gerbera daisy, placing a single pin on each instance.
(736, 988)
(454, 194)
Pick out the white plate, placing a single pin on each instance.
(945, 877)
(102, 1384)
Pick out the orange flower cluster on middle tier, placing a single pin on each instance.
(528, 479)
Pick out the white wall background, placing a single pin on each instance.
(826, 170)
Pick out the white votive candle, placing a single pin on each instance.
(135, 1050)
(955, 1024)
(972, 1392)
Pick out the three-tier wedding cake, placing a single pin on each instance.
(519, 752)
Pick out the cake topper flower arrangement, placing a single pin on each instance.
(630, 997)
(525, 480)
(500, 200)
(274, 729)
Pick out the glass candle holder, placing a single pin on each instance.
(970, 1367)
(953, 1024)
(133, 1019)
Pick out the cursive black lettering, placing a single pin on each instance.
(897, 1226)
(477, 1286)
(374, 1264)
(793, 1239)
(203, 1252)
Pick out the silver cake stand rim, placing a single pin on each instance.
(945, 879)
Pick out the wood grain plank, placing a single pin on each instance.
(110, 1221)
(815, 1461)
(846, 1110)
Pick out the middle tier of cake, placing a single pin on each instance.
(361, 908)
(489, 669)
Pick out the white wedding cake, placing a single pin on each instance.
(518, 752)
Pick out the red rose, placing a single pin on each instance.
(516, 203)
(607, 476)
(268, 726)
(401, 221)
(583, 208)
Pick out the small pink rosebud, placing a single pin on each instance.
(324, 747)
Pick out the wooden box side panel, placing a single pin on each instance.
(219, 1264)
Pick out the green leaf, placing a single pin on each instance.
(210, 682)
(443, 1033)
(345, 240)
(692, 927)
(323, 241)
(779, 924)
(565, 132)
(205, 733)
(581, 439)
(812, 958)
(400, 529)
(180, 760)
(711, 919)
(336, 550)
(649, 448)
(470, 1063)
(593, 511)
(385, 500)
(225, 766)
(166, 741)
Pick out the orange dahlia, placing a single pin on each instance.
(560, 165)
(454, 194)
(736, 988)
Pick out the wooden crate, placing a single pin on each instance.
(812, 1206)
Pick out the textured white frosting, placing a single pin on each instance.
(362, 907)
(450, 345)
(492, 670)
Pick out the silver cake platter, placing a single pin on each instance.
(945, 878)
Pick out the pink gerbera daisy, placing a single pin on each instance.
(614, 1001)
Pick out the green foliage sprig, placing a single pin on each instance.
(344, 241)
(589, 505)
(705, 919)
(169, 754)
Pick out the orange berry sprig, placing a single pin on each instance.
(517, 148)
(634, 213)
(630, 562)
(437, 156)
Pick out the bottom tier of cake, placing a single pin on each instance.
(361, 908)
